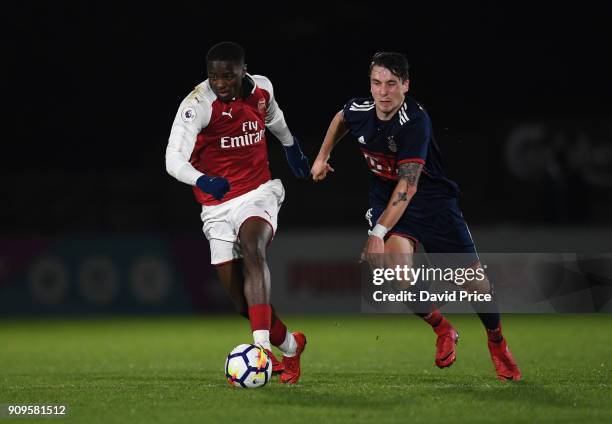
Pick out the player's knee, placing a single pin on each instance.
(254, 251)
(478, 281)
(481, 286)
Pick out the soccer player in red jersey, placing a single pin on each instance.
(218, 146)
(411, 198)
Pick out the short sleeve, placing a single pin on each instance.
(413, 142)
(354, 110)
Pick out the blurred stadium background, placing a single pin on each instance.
(91, 223)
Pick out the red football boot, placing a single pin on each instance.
(505, 365)
(445, 345)
(277, 366)
(291, 374)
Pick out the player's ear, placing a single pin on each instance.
(244, 70)
(405, 85)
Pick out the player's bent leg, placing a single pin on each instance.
(399, 245)
(505, 365)
(232, 278)
(477, 285)
(255, 234)
(282, 339)
(399, 250)
(446, 341)
(292, 345)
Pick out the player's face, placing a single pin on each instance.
(387, 90)
(225, 78)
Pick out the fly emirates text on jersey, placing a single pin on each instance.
(252, 134)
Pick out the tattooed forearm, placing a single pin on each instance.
(401, 197)
(410, 172)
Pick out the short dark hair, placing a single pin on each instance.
(226, 50)
(397, 63)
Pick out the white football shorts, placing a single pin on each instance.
(222, 222)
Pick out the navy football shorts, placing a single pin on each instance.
(443, 232)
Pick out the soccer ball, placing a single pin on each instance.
(248, 366)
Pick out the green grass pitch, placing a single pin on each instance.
(372, 369)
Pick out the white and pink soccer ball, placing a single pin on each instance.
(248, 366)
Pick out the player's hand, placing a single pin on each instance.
(215, 186)
(373, 252)
(297, 160)
(320, 169)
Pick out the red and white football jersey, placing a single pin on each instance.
(223, 139)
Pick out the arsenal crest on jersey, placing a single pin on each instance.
(391, 143)
(261, 105)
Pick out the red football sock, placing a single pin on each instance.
(437, 321)
(278, 330)
(260, 317)
(433, 318)
(495, 335)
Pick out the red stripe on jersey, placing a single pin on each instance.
(234, 146)
(408, 160)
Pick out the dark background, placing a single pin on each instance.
(92, 90)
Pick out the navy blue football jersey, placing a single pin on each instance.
(406, 137)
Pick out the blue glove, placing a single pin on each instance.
(297, 160)
(215, 186)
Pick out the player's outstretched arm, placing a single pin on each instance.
(405, 190)
(335, 132)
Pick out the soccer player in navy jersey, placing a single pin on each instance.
(411, 199)
(218, 146)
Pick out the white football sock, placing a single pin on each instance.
(289, 346)
(262, 337)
